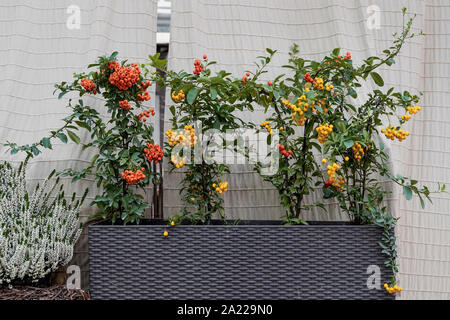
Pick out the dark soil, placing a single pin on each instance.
(57, 292)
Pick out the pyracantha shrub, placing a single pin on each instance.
(126, 151)
(319, 97)
(206, 101)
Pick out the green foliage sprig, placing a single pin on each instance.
(120, 141)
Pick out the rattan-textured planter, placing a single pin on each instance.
(234, 262)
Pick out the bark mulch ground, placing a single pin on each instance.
(57, 292)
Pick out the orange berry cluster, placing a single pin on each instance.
(284, 152)
(413, 110)
(124, 77)
(178, 97)
(153, 153)
(392, 133)
(358, 151)
(146, 114)
(266, 124)
(393, 289)
(144, 85)
(222, 187)
(143, 88)
(198, 67)
(124, 104)
(133, 177)
(113, 65)
(324, 131)
(245, 78)
(87, 84)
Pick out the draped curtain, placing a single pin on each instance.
(40, 46)
(235, 32)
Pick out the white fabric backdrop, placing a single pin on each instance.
(38, 50)
(234, 32)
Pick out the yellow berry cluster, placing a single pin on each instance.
(222, 187)
(413, 109)
(318, 83)
(186, 137)
(332, 169)
(393, 289)
(337, 182)
(329, 87)
(358, 151)
(406, 117)
(298, 115)
(178, 97)
(320, 103)
(324, 131)
(179, 163)
(266, 125)
(191, 134)
(392, 133)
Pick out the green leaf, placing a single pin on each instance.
(83, 125)
(62, 137)
(73, 137)
(46, 143)
(213, 93)
(35, 150)
(377, 79)
(407, 192)
(336, 51)
(422, 203)
(61, 94)
(348, 143)
(192, 94)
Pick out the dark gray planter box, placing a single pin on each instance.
(235, 262)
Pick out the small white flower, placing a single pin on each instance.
(37, 233)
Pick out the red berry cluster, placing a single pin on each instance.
(328, 183)
(308, 77)
(143, 87)
(153, 153)
(198, 67)
(348, 56)
(245, 78)
(284, 152)
(146, 114)
(88, 84)
(124, 104)
(124, 77)
(133, 177)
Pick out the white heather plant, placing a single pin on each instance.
(37, 230)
